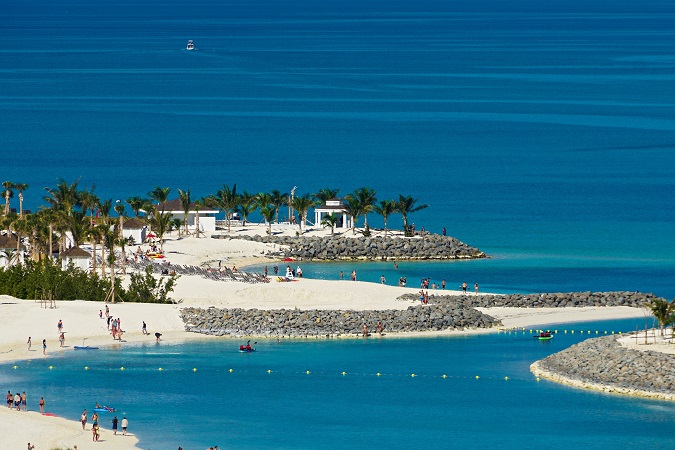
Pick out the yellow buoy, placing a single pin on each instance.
(378, 374)
(121, 368)
(412, 375)
(445, 376)
(269, 371)
(194, 369)
(51, 367)
(231, 370)
(86, 367)
(477, 377)
(538, 378)
(160, 369)
(15, 367)
(308, 372)
(506, 378)
(344, 373)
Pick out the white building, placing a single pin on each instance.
(332, 206)
(135, 229)
(207, 216)
(8, 247)
(77, 257)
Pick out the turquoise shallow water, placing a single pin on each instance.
(288, 408)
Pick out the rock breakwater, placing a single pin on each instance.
(604, 364)
(333, 248)
(328, 323)
(556, 300)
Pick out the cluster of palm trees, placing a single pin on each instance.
(356, 205)
(664, 312)
(73, 215)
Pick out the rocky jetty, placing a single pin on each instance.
(557, 300)
(604, 364)
(333, 248)
(327, 323)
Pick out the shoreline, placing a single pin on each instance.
(83, 326)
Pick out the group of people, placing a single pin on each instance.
(379, 328)
(17, 401)
(95, 427)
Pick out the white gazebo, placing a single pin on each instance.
(77, 257)
(134, 228)
(332, 206)
(207, 216)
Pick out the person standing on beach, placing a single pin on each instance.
(42, 405)
(62, 339)
(365, 330)
(60, 326)
(444, 231)
(10, 399)
(145, 328)
(125, 424)
(354, 275)
(114, 423)
(379, 328)
(443, 284)
(17, 401)
(382, 280)
(23, 401)
(464, 287)
(475, 286)
(83, 419)
(29, 343)
(44, 346)
(342, 275)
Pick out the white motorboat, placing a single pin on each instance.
(190, 45)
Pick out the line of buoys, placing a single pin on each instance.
(525, 330)
(343, 373)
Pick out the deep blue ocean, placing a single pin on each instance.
(542, 133)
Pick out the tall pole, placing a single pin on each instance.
(290, 203)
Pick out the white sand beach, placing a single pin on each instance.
(83, 326)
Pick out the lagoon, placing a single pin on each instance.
(290, 408)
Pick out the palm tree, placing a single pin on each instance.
(663, 310)
(302, 204)
(366, 197)
(276, 200)
(326, 194)
(353, 209)
(198, 204)
(160, 195)
(267, 212)
(20, 187)
(88, 200)
(161, 223)
(247, 204)
(406, 206)
(104, 208)
(64, 197)
(386, 208)
(8, 186)
(330, 220)
(185, 204)
(95, 235)
(227, 200)
(136, 204)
